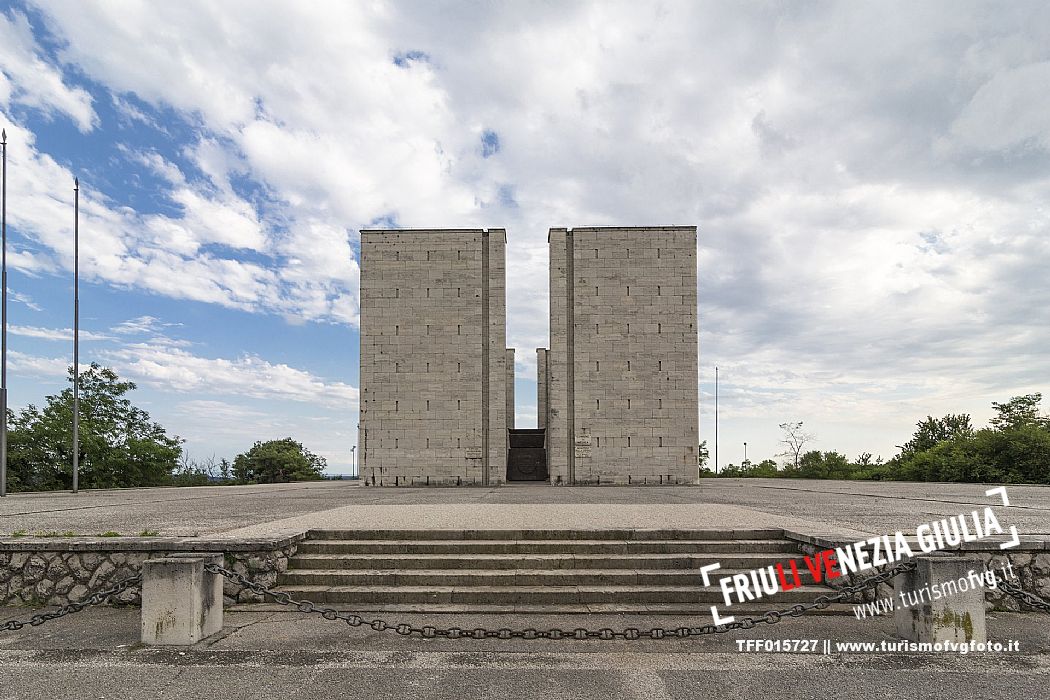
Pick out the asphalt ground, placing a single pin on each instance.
(95, 654)
(869, 507)
(265, 654)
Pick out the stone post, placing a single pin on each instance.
(957, 616)
(181, 602)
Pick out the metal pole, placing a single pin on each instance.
(76, 333)
(353, 457)
(745, 453)
(3, 324)
(716, 420)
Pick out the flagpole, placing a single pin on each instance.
(3, 324)
(76, 332)
(716, 420)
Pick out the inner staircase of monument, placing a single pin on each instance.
(654, 571)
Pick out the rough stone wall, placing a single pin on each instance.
(262, 567)
(50, 577)
(623, 357)
(1031, 567)
(433, 342)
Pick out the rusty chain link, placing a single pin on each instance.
(429, 632)
(1030, 599)
(94, 599)
(354, 620)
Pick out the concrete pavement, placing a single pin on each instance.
(95, 655)
(266, 653)
(867, 507)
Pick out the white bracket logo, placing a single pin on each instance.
(1001, 492)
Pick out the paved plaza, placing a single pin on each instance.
(814, 507)
(264, 651)
(280, 654)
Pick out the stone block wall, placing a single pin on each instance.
(57, 572)
(510, 388)
(433, 356)
(541, 387)
(1031, 564)
(622, 364)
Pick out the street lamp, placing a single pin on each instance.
(76, 333)
(745, 453)
(3, 333)
(353, 456)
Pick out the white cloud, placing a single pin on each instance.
(1009, 110)
(34, 366)
(176, 369)
(28, 79)
(812, 144)
(24, 299)
(142, 324)
(55, 333)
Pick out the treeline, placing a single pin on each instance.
(1013, 448)
(121, 446)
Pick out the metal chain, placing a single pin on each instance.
(1030, 599)
(354, 620)
(745, 623)
(93, 599)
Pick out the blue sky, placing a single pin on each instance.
(870, 185)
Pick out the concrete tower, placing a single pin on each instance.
(621, 373)
(433, 358)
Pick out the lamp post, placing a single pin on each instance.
(716, 420)
(353, 457)
(3, 323)
(76, 333)
(745, 453)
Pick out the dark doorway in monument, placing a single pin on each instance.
(527, 456)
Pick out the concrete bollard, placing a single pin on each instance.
(181, 602)
(956, 615)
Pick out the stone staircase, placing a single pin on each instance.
(532, 570)
(527, 455)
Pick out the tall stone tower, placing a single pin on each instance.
(621, 374)
(433, 356)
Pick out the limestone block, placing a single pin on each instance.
(181, 603)
(956, 618)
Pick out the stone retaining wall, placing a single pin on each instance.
(51, 571)
(1030, 562)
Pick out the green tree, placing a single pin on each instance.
(703, 455)
(1014, 448)
(1019, 412)
(120, 445)
(225, 468)
(278, 461)
(931, 431)
(794, 440)
(820, 465)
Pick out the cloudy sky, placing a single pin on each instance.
(871, 183)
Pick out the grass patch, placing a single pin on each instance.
(55, 533)
(19, 533)
(110, 533)
(149, 533)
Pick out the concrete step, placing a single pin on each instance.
(772, 547)
(534, 595)
(440, 610)
(505, 578)
(526, 438)
(547, 535)
(453, 561)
